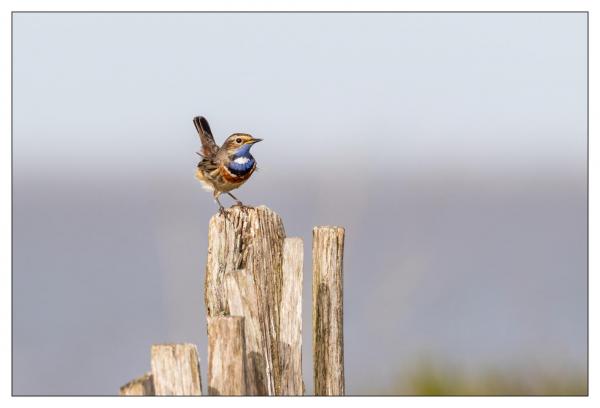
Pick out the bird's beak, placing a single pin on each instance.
(255, 141)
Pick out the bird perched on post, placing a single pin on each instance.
(224, 168)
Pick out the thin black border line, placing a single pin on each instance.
(13, 12)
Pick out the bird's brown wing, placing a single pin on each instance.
(209, 147)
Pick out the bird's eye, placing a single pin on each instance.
(238, 140)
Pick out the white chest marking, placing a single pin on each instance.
(241, 160)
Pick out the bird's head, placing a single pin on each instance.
(239, 144)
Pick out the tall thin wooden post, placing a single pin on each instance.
(226, 356)
(176, 369)
(328, 307)
(290, 318)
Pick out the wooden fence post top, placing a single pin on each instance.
(173, 345)
(323, 228)
(238, 212)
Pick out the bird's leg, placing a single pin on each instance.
(237, 202)
(221, 208)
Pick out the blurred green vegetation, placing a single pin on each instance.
(428, 378)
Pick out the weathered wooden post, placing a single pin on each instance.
(244, 300)
(176, 369)
(226, 356)
(244, 277)
(290, 318)
(328, 310)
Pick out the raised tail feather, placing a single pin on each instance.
(209, 147)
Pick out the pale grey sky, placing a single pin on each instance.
(394, 90)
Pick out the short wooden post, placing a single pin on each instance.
(290, 318)
(176, 369)
(246, 244)
(143, 385)
(243, 300)
(328, 307)
(226, 356)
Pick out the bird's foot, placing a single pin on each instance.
(221, 210)
(238, 204)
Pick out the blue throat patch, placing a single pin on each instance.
(241, 169)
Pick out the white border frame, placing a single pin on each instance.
(7, 6)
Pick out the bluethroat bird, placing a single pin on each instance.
(224, 168)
